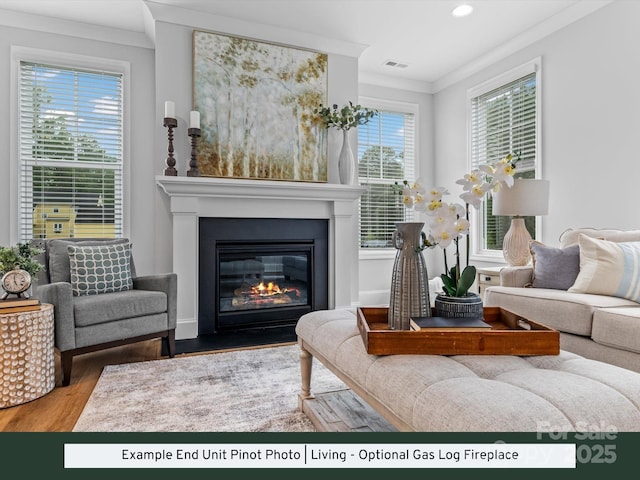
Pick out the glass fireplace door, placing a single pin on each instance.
(259, 281)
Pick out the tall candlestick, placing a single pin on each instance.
(194, 133)
(169, 109)
(195, 119)
(170, 123)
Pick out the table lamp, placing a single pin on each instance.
(526, 197)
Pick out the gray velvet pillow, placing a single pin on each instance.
(553, 267)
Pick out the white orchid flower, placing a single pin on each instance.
(470, 179)
(419, 203)
(443, 236)
(436, 193)
(433, 207)
(462, 226)
(417, 187)
(456, 210)
(503, 173)
(441, 222)
(475, 196)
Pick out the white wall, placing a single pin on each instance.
(590, 120)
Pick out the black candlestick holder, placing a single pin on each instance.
(170, 123)
(193, 171)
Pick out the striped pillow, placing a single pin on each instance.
(608, 268)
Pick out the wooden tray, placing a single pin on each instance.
(510, 334)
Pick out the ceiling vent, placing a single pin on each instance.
(393, 63)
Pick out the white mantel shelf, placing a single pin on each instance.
(241, 188)
(192, 198)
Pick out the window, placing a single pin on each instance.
(386, 151)
(70, 152)
(504, 116)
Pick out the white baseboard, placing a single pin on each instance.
(374, 298)
(186, 328)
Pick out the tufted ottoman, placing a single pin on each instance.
(471, 392)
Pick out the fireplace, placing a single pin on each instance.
(260, 272)
(192, 199)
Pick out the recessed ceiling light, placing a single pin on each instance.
(462, 10)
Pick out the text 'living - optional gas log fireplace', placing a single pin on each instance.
(260, 272)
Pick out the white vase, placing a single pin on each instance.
(346, 162)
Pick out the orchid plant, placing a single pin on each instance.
(449, 221)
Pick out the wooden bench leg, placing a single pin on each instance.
(306, 362)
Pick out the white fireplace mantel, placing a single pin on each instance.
(195, 197)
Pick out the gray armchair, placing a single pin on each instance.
(90, 322)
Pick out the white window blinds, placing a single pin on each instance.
(386, 154)
(71, 150)
(504, 120)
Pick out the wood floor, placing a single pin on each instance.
(59, 410)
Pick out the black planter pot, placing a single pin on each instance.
(458, 307)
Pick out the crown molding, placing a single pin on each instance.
(41, 23)
(233, 26)
(391, 81)
(562, 19)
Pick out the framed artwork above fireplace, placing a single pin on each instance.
(256, 103)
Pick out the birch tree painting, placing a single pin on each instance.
(256, 104)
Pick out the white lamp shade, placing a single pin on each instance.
(526, 197)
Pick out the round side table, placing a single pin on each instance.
(27, 360)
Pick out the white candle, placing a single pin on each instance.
(195, 120)
(169, 109)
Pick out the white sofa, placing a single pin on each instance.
(600, 327)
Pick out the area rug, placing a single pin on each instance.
(252, 390)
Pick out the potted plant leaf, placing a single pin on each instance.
(21, 256)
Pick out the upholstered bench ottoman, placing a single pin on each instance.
(471, 392)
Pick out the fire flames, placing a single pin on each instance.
(264, 294)
(268, 289)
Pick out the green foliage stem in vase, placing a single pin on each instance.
(449, 222)
(20, 256)
(345, 117)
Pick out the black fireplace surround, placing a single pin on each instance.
(260, 272)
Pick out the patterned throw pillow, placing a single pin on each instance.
(100, 268)
(553, 267)
(608, 268)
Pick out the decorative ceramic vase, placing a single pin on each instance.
(345, 160)
(409, 279)
(458, 307)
